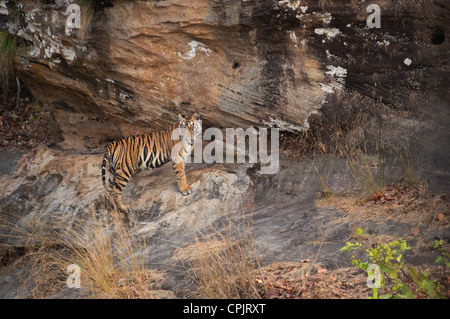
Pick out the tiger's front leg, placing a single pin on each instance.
(183, 185)
(119, 184)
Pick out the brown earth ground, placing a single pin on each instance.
(398, 202)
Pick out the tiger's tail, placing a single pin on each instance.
(105, 160)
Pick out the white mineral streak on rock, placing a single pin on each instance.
(326, 87)
(195, 47)
(292, 5)
(328, 32)
(337, 72)
(68, 53)
(52, 48)
(3, 8)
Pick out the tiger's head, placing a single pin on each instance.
(189, 128)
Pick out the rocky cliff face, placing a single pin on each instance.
(301, 66)
(239, 63)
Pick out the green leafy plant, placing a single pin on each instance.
(425, 284)
(444, 257)
(385, 265)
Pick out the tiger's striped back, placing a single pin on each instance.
(128, 155)
(140, 151)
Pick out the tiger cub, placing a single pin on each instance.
(128, 155)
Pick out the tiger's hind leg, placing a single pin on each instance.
(111, 179)
(110, 185)
(120, 182)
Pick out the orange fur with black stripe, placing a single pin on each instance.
(131, 154)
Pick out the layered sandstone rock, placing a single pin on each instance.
(238, 63)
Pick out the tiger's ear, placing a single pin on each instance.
(195, 116)
(181, 116)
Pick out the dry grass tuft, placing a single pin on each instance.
(106, 250)
(10, 47)
(368, 169)
(87, 15)
(223, 263)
